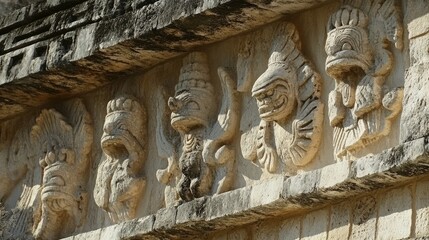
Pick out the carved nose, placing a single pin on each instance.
(174, 104)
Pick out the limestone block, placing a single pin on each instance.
(137, 227)
(364, 218)
(290, 229)
(395, 214)
(340, 221)
(267, 191)
(315, 225)
(240, 234)
(415, 117)
(422, 209)
(165, 218)
(265, 230)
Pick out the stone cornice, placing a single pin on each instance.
(63, 48)
(278, 196)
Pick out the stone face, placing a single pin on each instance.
(119, 184)
(359, 111)
(206, 152)
(214, 119)
(289, 81)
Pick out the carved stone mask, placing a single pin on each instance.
(191, 108)
(122, 123)
(194, 101)
(347, 44)
(274, 91)
(59, 168)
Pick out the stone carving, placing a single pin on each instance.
(288, 99)
(119, 183)
(20, 165)
(206, 162)
(63, 145)
(359, 59)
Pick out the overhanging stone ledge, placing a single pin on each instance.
(75, 57)
(278, 196)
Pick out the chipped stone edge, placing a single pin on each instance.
(279, 196)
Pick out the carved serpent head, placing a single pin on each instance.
(275, 92)
(347, 45)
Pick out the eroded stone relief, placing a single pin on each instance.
(205, 163)
(120, 184)
(62, 146)
(360, 37)
(288, 99)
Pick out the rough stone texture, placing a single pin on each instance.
(394, 216)
(340, 221)
(364, 218)
(415, 117)
(315, 225)
(422, 209)
(84, 42)
(58, 49)
(290, 229)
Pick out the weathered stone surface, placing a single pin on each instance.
(290, 229)
(364, 218)
(147, 34)
(340, 224)
(422, 209)
(315, 225)
(235, 208)
(395, 214)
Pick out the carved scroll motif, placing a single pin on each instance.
(206, 162)
(288, 99)
(63, 144)
(119, 183)
(359, 59)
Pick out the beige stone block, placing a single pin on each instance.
(422, 209)
(267, 191)
(315, 225)
(265, 231)
(395, 214)
(364, 218)
(290, 229)
(340, 221)
(240, 234)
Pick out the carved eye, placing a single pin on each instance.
(270, 93)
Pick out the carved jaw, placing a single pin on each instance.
(274, 93)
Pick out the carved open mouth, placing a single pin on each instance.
(186, 121)
(271, 108)
(344, 62)
(114, 146)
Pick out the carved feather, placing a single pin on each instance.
(388, 15)
(223, 130)
(266, 150)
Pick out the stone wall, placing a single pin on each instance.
(214, 120)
